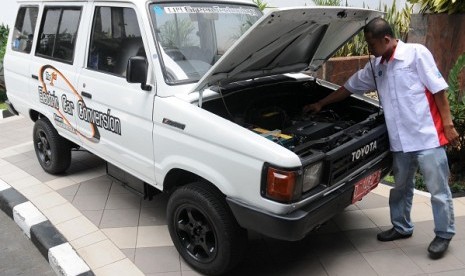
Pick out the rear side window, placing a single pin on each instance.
(25, 24)
(58, 33)
(115, 38)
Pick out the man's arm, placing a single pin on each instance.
(444, 109)
(335, 96)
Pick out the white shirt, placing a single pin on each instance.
(406, 84)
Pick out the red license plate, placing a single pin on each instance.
(365, 185)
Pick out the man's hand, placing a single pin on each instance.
(444, 109)
(336, 96)
(313, 108)
(452, 135)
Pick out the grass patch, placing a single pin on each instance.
(389, 179)
(3, 106)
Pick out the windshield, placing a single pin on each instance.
(193, 36)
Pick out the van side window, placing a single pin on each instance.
(25, 24)
(115, 38)
(58, 33)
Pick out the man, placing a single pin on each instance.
(418, 119)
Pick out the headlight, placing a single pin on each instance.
(312, 176)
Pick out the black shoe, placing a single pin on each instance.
(391, 235)
(438, 247)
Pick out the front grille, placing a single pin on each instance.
(340, 165)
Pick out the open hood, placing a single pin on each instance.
(287, 40)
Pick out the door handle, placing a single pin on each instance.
(85, 94)
(34, 77)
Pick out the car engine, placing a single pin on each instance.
(277, 115)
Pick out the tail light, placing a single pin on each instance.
(282, 185)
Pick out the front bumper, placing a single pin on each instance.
(296, 225)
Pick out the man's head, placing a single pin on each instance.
(380, 38)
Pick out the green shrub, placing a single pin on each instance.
(456, 98)
(3, 40)
(440, 6)
(399, 20)
(389, 178)
(457, 187)
(261, 4)
(2, 96)
(420, 183)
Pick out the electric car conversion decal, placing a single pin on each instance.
(95, 118)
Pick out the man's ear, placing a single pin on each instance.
(387, 39)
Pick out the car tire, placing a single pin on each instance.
(52, 150)
(204, 230)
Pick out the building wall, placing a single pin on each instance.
(338, 70)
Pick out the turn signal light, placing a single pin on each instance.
(280, 184)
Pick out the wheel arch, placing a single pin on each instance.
(177, 177)
(36, 115)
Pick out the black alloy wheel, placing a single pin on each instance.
(204, 230)
(196, 233)
(53, 151)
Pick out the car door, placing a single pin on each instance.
(55, 64)
(114, 116)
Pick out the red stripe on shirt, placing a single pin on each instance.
(436, 118)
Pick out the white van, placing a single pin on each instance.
(202, 100)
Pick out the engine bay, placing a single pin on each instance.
(323, 131)
(274, 124)
(276, 113)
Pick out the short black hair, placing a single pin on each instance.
(378, 28)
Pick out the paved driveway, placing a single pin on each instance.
(117, 233)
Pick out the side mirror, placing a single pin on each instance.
(136, 72)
